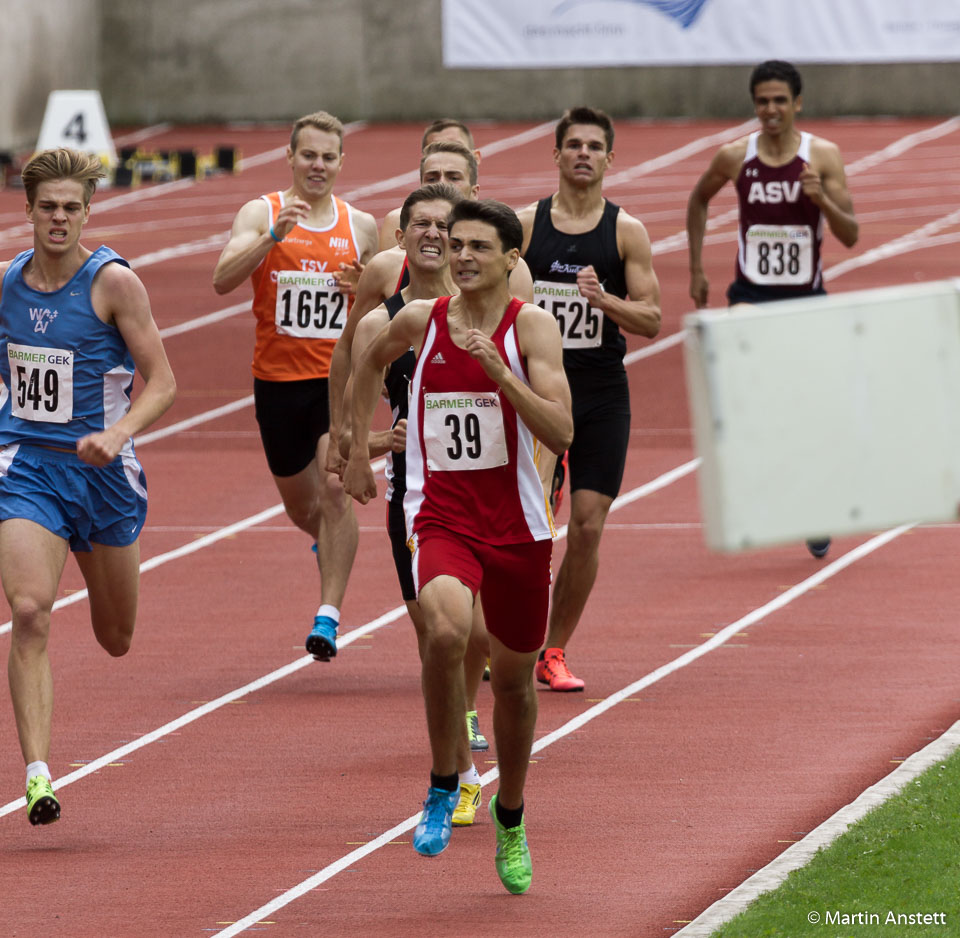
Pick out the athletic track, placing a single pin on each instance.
(217, 781)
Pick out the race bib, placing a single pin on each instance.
(463, 430)
(41, 383)
(779, 254)
(581, 325)
(309, 305)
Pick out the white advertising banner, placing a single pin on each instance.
(564, 33)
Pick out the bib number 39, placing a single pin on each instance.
(41, 383)
(309, 305)
(463, 431)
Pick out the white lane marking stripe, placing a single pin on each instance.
(681, 153)
(801, 853)
(391, 616)
(412, 178)
(678, 241)
(207, 319)
(185, 549)
(911, 241)
(123, 751)
(124, 140)
(576, 723)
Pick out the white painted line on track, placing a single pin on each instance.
(194, 421)
(209, 243)
(579, 721)
(186, 549)
(802, 852)
(207, 319)
(412, 178)
(899, 147)
(123, 751)
(144, 133)
(911, 241)
(342, 641)
(681, 153)
(678, 241)
(164, 188)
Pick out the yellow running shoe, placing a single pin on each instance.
(42, 804)
(478, 742)
(466, 809)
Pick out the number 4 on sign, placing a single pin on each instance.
(75, 130)
(76, 119)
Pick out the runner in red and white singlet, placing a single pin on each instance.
(488, 384)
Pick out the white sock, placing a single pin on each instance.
(39, 768)
(330, 611)
(470, 777)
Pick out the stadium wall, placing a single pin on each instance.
(218, 60)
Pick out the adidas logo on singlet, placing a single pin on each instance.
(438, 359)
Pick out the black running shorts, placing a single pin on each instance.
(292, 416)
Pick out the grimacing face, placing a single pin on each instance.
(58, 213)
(425, 239)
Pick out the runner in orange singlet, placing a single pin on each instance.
(288, 243)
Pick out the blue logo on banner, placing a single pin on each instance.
(685, 12)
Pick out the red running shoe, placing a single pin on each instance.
(553, 670)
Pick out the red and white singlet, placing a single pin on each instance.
(470, 459)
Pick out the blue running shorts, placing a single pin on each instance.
(81, 503)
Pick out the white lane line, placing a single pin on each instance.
(192, 547)
(579, 721)
(144, 133)
(212, 242)
(922, 237)
(801, 853)
(164, 188)
(391, 616)
(681, 153)
(678, 241)
(412, 178)
(899, 147)
(194, 421)
(123, 751)
(206, 320)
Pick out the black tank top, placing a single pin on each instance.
(397, 383)
(591, 340)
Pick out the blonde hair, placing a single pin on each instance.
(62, 163)
(321, 120)
(451, 146)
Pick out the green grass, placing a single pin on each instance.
(903, 858)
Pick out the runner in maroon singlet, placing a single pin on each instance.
(788, 182)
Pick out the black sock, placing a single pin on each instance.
(446, 782)
(509, 817)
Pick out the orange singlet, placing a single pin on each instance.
(300, 311)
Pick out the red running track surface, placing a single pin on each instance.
(641, 813)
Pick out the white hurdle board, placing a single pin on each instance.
(76, 119)
(826, 415)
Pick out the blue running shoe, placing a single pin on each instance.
(322, 640)
(433, 832)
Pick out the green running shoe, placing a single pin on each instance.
(514, 866)
(478, 742)
(42, 804)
